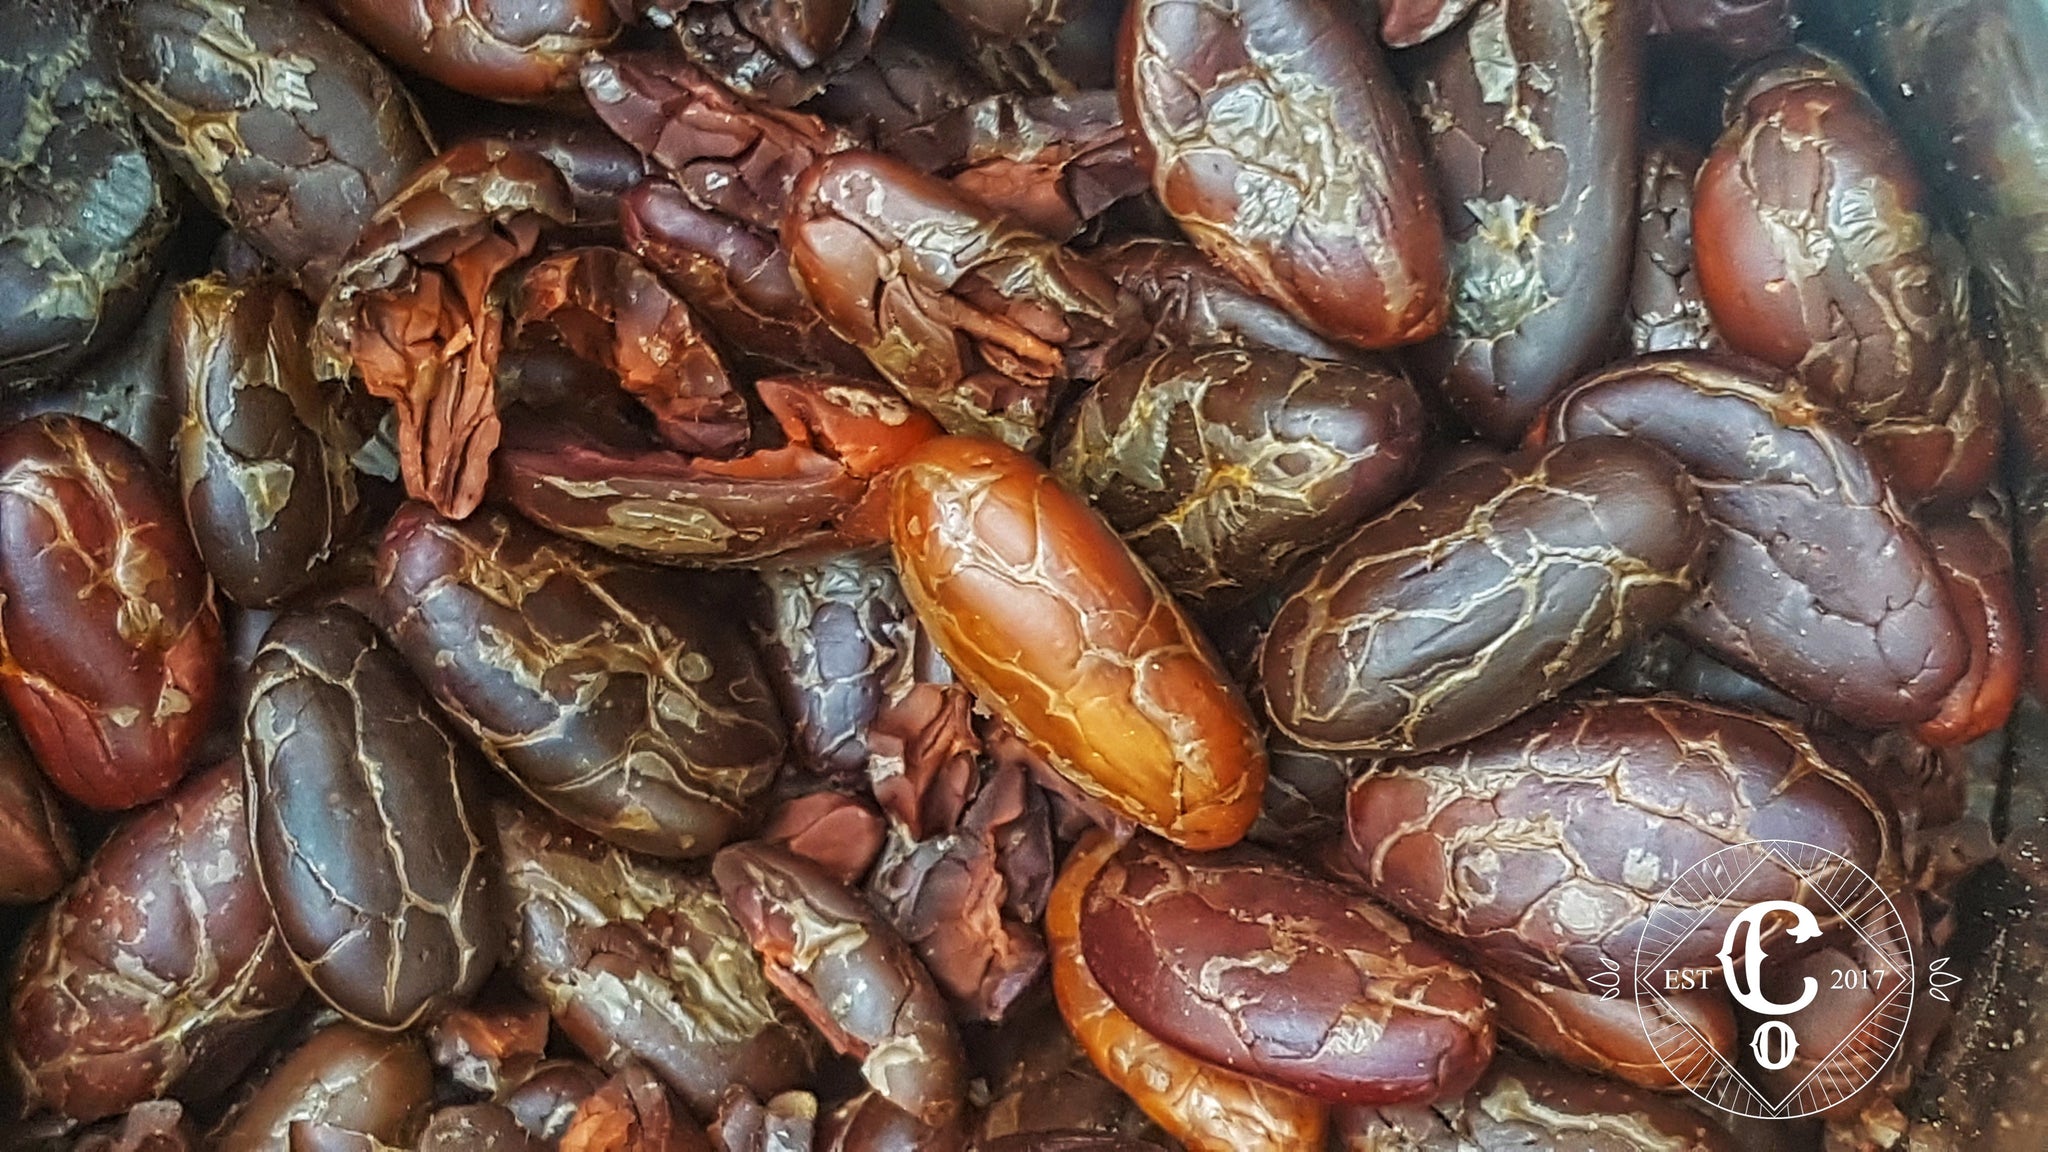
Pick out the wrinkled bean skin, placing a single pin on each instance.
(264, 453)
(1188, 301)
(1816, 582)
(1281, 145)
(1612, 1037)
(637, 960)
(1406, 23)
(346, 1082)
(1541, 846)
(1665, 310)
(85, 207)
(1246, 963)
(1060, 631)
(821, 491)
(606, 306)
(837, 628)
(857, 981)
(711, 228)
(1529, 116)
(1947, 454)
(599, 167)
(110, 645)
(976, 319)
(37, 851)
(1054, 163)
(520, 52)
(1206, 1107)
(1814, 253)
(608, 691)
(1974, 554)
(367, 824)
(159, 971)
(282, 124)
(1226, 469)
(1521, 1106)
(903, 84)
(416, 311)
(778, 51)
(1489, 591)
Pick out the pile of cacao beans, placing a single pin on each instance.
(1019, 575)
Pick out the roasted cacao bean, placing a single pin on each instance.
(110, 644)
(368, 826)
(1489, 591)
(1060, 631)
(1280, 144)
(85, 207)
(528, 51)
(850, 974)
(1816, 582)
(1225, 469)
(344, 1088)
(1530, 119)
(159, 971)
(610, 692)
(1206, 1107)
(282, 123)
(264, 455)
(640, 961)
(1243, 961)
(1542, 846)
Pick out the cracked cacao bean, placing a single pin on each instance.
(1817, 582)
(818, 489)
(1226, 469)
(1540, 848)
(1046, 615)
(777, 51)
(837, 628)
(1204, 1106)
(264, 454)
(1529, 117)
(851, 975)
(368, 825)
(1489, 591)
(110, 645)
(85, 207)
(417, 310)
(615, 694)
(1815, 253)
(637, 959)
(607, 307)
(1280, 143)
(1666, 312)
(159, 971)
(978, 320)
(1188, 302)
(1243, 961)
(513, 52)
(282, 123)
